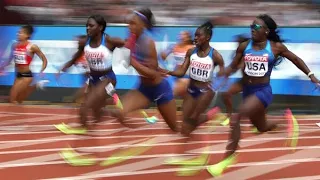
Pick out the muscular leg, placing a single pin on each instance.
(189, 104)
(203, 103)
(180, 87)
(259, 121)
(169, 113)
(250, 106)
(195, 115)
(132, 101)
(227, 97)
(94, 99)
(26, 89)
(14, 91)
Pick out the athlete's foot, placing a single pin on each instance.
(40, 84)
(219, 168)
(188, 127)
(226, 122)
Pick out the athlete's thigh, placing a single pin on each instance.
(134, 100)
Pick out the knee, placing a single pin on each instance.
(244, 111)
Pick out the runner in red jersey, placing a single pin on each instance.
(22, 54)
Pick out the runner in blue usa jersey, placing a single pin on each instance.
(260, 54)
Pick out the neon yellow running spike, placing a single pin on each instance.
(69, 130)
(75, 159)
(218, 120)
(151, 120)
(254, 130)
(126, 154)
(189, 171)
(217, 169)
(117, 101)
(197, 161)
(225, 122)
(61, 127)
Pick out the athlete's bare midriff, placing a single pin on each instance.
(249, 80)
(22, 69)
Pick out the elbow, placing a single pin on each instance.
(153, 75)
(180, 75)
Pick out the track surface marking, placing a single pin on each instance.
(29, 147)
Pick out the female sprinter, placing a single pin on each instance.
(98, 51)
(201, 62)
(179, 52)
(153, 87)
(22, 55)
(260, 54)
(234, 89)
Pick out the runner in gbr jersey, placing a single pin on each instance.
(179, 51)
(201, 62)
(22, 54)
(98, 49)
(260, 54)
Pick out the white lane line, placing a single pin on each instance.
(152, 163)
(48, 129)
(36, 119)
(168, 170)
(87, 149)
(103, 132)
(302, 178)
(253, 171)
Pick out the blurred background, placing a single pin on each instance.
(167, 12)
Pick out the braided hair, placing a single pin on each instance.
(273, 34)
(207, 28)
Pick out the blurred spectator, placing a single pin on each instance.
(167, 12)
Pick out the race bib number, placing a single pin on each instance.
(96, 64)
(256, 66)
(110, 89)
(200, 71)
(20, 58)
(199, 74)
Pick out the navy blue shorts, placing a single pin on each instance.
(262, 91)
(195, 92)
(160, 93)
(93, 80)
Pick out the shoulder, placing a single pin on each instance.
(190, 51)
(216, 54)
(243, 45)
(278, 48)
(278, 45)
(33, 46)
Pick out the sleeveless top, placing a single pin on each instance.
(201, 68)
(99, 58)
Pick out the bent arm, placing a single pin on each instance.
(37, 50)
(181, 70)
